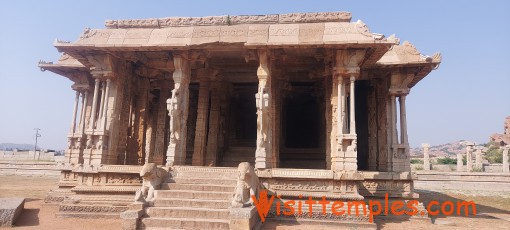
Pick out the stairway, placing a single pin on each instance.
(193, 198)
(235, 155)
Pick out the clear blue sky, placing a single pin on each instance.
(466, 98)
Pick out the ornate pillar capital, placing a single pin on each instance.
(348, 62)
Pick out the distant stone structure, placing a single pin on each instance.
(502, 139)
(311, 100)
(426, 157)
(478, 158)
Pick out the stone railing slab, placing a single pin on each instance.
(10, 209)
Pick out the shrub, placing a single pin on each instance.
(447, 161)
(494, 155)
(418, 167)
(416, 161)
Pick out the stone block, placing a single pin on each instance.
(233, 34)
(284, 34)
(204, 35)
(179, 36)
(311, 33)
(10, 209)
(258, 34)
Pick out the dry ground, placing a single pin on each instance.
(493, 210)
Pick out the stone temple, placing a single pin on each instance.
(314, 102)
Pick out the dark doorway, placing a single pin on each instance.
(243, 132)
(302, 142)
(361, 115)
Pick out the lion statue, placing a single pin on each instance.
(152, 178)
(247, 185)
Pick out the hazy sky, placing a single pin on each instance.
(468, 97)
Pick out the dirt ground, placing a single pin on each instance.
(493, 210)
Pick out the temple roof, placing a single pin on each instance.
(303, 29)
(296, 30)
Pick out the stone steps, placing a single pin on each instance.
(198, 187)
(184, 212)
(193, 198)
(205, 172)
(190, 194)
(185, 223)
(175, 202)
(205, 181)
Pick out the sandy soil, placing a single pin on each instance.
(38, 215)
(493, 210)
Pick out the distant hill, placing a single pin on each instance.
(10, 146)
(449, 149)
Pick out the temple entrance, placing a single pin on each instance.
(302, 139)
(242, 125)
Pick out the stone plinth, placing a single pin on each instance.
(10, 209)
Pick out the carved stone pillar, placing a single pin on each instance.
(426, 159)
(505, 159)
(345, 72)
(478, 159)
(177, 107)
(263, 158)
(460, 163)
(214, 127)
(161, 134)
(199, 150)
(469, 156)
(400, 159)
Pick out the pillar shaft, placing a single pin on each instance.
(403, 120)
(340, 107)
(426, 157)
(394, 135)
(214, 125)
(94, 104)
(201, 124)
(460, 163)
(101, 106)
(469, 158)
(352, 125)
(75, 111)
(83, 111)
(105, 109)
(159, 149)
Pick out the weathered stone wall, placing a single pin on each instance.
(29, 168)
(29, 156)
(481, 181)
